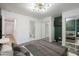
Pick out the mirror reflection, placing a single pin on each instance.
(70, 30)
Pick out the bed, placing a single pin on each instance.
(44, 48)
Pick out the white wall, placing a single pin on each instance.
(70, 13)
(38, 30)
(22, 25)
(50, 22)
(41, 28)
(52, 29)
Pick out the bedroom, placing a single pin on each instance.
(43, 32)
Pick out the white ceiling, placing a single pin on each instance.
(55, 10)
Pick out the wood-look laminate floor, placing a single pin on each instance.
(45, 48)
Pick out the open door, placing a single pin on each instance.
(9, 29)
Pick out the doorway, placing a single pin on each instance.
(9, 27)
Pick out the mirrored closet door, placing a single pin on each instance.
(72, 34)
(70, 30)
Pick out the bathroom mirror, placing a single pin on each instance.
(70, 30)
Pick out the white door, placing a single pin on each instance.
(46, 30)
(32, 30)
(8, 27)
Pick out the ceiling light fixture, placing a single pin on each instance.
(40, 7)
